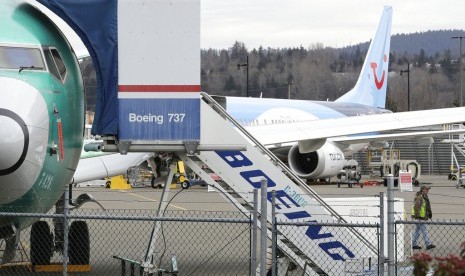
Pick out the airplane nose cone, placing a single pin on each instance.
(24, 131)
(14, 141)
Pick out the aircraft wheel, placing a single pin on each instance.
(41, 243)
(160, 185)
(152, 182)
(453, 177)
(185, 184)
(108, 184)
(79, 243)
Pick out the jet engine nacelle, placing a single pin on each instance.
(325, 162)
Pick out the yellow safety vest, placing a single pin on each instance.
(422, 208)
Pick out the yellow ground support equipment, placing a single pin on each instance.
(180, 176)
(119, 183)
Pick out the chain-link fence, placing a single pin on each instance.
(445, 236)
(325, 254)
(116, 242)
(200, 243)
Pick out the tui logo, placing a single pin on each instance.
(379, 83)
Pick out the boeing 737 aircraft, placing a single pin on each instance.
(314, 154)
(42, 121)
(320, 158)
(42, 112)
(309, 135)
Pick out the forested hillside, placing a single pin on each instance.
(322, 73)
(432, 42)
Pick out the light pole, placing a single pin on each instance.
(460, 61)
(408, 84)
(246, 65)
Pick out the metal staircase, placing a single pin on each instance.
(457, 145)
(241, 172)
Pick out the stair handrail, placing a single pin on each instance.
(297, 180)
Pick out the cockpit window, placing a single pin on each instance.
(59, 63)
(55, 63)
(51, 64)
(12, 57)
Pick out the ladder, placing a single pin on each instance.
(321, 249)
(457, 142)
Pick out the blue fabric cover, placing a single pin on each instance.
(95, 22)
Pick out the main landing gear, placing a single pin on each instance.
(44, 243)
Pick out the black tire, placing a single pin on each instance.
(357, 177)
(108, 184)
(453, 177)
(79, 243)
(416, 168)
(185, 184)
(152, 182)
(41, 243)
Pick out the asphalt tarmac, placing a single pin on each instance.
(448, 201)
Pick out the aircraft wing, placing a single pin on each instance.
(367, 124)
(98, 165)
(395, 136)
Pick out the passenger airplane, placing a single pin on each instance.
(42, 111)
(42, 122)
(311, 135)
(316, 154)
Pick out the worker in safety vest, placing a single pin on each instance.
(421, 210)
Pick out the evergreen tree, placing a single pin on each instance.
(421, 58)
(447, 66)
(229, 85)
(239, 51)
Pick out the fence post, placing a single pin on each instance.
(274, 235)
(263, 236)
(390, 222)
(253, 263)
(65, 234)
(381, 234)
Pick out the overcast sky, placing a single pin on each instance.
(294, 23)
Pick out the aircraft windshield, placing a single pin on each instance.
(21, 57)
